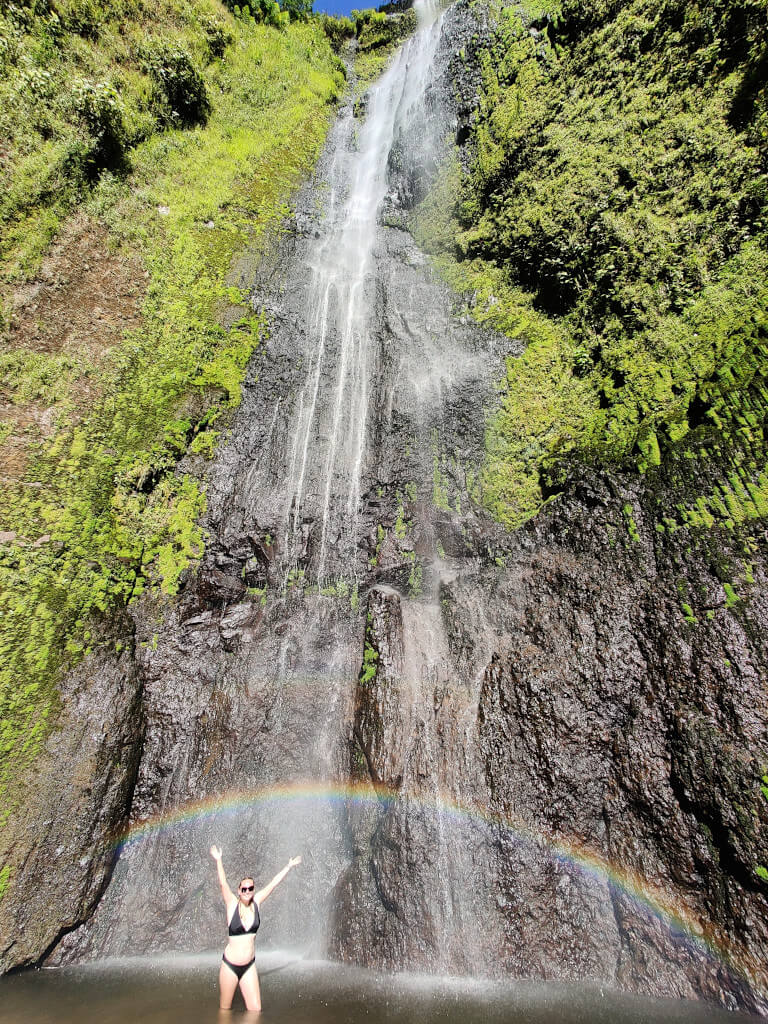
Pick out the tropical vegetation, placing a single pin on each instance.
(612, 215)
(145, 146)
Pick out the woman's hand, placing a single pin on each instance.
(294, 861)
(216, 853)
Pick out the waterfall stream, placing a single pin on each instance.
(325, 495)
(330, 440)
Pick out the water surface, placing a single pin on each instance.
(184, 989)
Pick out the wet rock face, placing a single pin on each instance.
(539, 748)
(580, 725)
(239, 701)
(60, 844)
(608, 752)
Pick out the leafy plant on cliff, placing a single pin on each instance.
(267, 11)
(370, 665)
(613, 218)
(338, 29)
(180, 95)
(378, 35)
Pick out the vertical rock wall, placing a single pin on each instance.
(578, 716)
(523, 723)
(60, 842)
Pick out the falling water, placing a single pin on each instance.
(333, 406)
(343, 530)
(274, 708)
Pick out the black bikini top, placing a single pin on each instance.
(237, 929)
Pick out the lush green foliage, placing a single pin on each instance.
(102, 511)
(338, 30)
(266, 11)
(270, 12)
(81, 83)
(614, 219)
(375, 29)
(378, 35)
(298, 10)
(180, 96)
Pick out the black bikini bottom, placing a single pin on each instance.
(238, 969)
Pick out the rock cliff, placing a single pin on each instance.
(548, 741)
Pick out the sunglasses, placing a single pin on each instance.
(247, 888)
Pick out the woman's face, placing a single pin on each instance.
(245, 891)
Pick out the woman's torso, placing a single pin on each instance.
(240, 946)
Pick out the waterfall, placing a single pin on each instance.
(367, 671)
(364, 368)
(332, 422)
(472, 737)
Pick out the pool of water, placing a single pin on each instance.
(169, 990)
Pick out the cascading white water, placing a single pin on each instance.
(332, 408)
(272, 705)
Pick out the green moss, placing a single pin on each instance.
(103, 512)
(731, 597)
(378, 37)
(5, 874)
(370, 664)
(690, 618)
(629, 519)
(760, 870)
(296, 578)
(648, 444)
(415, 578)
(598, 225)
(338, 588)
(381, 533)
(205, 443)
(402, 525)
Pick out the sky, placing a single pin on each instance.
(339, 7)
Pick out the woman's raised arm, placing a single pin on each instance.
(227, 895)
(262, 894)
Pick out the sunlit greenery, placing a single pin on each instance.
(613, 218)
(100, 512)
(377, 38)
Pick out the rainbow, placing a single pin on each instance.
(672, 913)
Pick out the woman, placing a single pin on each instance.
(238, 966)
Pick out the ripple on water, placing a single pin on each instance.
(171, 990)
